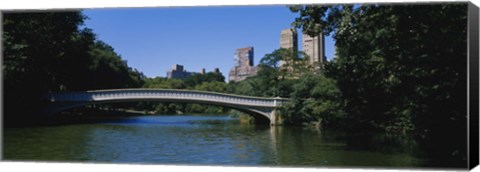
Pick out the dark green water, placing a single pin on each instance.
(206, 140)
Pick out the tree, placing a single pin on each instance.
(207, 82)
(287, 63)
(165, 83)
(35, 45)
(274, 79)
(109, 71)
(215, 86)
(48, 51)
(400, 68)
(249, 87)
(198, 78)
(314, 98)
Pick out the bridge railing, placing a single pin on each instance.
(152, 94)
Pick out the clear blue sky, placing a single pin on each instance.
(153, 39)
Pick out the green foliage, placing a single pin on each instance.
(400, 68)
(272, 79)
(50, 50)
(215, 86)
(244, 118)
(107, 70)
(315, 98)
(36, 45)
(47, 51)
(295, 64)
(195, 108)
(197, 78)
(391, 59)
(164, 83)
(248, 87)
(203, 82)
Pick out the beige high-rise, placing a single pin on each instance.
(314, 47)
(288, 40)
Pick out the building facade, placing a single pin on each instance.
(314, 47)
(288, 40)
(178, 72)
(242, 65)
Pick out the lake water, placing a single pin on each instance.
(207, 140)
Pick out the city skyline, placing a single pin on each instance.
(153, 39)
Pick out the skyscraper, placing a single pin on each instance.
(314, 47)
(243, 65)
(289, 38)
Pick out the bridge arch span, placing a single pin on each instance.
(258, 115)
(262, 109)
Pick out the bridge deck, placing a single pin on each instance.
(163, 94)
(257, 105)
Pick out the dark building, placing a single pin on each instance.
(178, 72)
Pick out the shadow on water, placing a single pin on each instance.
(313, 148)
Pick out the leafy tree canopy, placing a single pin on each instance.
(400, 68)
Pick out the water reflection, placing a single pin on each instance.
(312, 147)
(206, 140)
(45, 144)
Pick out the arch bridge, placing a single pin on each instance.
(261, 108)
